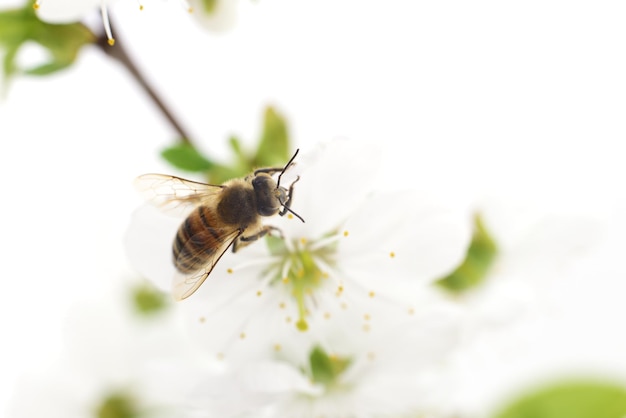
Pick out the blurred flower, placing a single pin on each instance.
(539, 253)
(67, 11)
(215, 15)
(392, 370)
(356, 247)
(118, 362)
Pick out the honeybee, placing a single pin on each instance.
(219, 216)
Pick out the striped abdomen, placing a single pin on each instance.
(199, 240)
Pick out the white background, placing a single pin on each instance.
(518, 100)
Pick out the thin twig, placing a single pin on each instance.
(118, 53)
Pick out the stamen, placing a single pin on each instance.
(36, 5)
(325, 242)
(107, 24)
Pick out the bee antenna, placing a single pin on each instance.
(294, 213)
(285, 169)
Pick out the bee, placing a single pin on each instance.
(219, 217)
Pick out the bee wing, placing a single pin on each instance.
(185, 284)
(175, 195)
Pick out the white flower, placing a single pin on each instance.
(539, 253)
(68, 11)
(394, 370)
(355, 247)
(215, 15)
(114, 360)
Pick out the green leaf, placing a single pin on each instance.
(62, 42)
(570, 399)
(324, 368)
(480, 256)
(186, 157)
(273, 149)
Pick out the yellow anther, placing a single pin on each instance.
(290, 216)
(111, 41)
(288, 319)
(411, 311)
(285, 280)
(327, 315)
(302, 325)
(302, 241)
(141, 7)
(346, 233)
(344, 305)
(282, 305)
(36, 5)
(229, 271)
(202, 319)
(392, 254)
(367, 317)
(259, 293)
(277, 347)
(372, 294)
(242, 335)
(366, 327)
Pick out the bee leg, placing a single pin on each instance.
(287, 203)
(242, 241)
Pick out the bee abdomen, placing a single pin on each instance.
(197, 240)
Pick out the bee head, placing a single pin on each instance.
(268, 194)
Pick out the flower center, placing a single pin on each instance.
(302, 267)
(117, 405)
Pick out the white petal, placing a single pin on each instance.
(67, 11)
(334, 180)
(222, 18)
(148, 243)
(403, 239)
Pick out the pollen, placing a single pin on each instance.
(285, 280)
(259, 293)
(366, 327)
(202, 319)
(327, 315)
(290, 216)
(288, 319)
(392, 254)
(282, 305)
(277, 347)
(36, 5)
(371, 294)
(242, 335)
(325, 275)
(303, 241)
(229, 271)
(141, 7)
(344, 306)
(346, 233)
(111, 41)
(367, 317)
(411, 311)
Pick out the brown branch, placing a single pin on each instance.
(118, 53)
